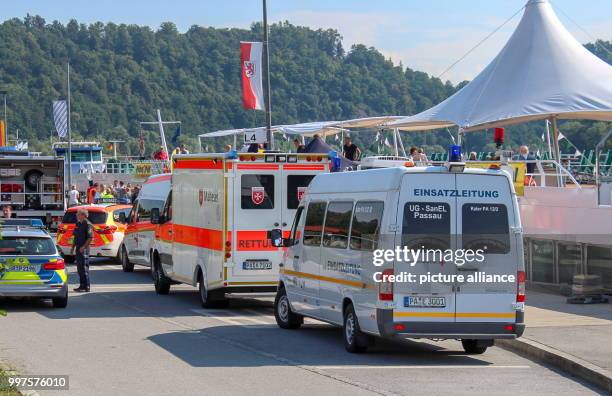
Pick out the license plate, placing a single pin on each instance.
(257, 265)
(424, 302)
(21, 268)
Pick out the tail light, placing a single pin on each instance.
(54, 265)
(106, 230)
(385, 288)
(520, 287)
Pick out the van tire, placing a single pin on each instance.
(60, 302)
(125, 261)
(473, 347)
(355, 341)
(211, 299)
(161, 282)
(285, 317)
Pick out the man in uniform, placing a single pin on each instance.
(83, 234)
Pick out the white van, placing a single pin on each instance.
(349, 221)
(140, 234)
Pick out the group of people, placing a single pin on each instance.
(349, 150)
(162, 155)
(119, 189)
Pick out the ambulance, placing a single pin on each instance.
(139, 237)
(212, 231)
(407, 252)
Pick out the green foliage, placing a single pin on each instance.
(122, 73)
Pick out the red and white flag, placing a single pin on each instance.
(251, 71)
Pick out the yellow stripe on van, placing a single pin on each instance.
(453, 314)
(252, 283)
(360, 285)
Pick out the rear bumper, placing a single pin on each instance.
(450, 330)
(43, 291)
(109, 250)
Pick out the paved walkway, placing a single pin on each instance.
(584, 331)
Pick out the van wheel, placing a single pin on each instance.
(354, 340)
(161, 282)
(211, 299)
(125, 261)
(60, 302)
(285, 318)
(473, 347)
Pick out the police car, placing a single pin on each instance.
(30, 265)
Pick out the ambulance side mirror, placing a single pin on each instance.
(276, 237)
(155, 217)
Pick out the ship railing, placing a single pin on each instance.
(137, 167)
(549, 173)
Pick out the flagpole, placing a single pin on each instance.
(69, 131)
(268, 104)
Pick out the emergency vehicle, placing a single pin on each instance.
(109, 225)
(33, 185)
(346, 219)
(213, 229)
(140, 234)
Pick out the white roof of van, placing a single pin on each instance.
(383, 179)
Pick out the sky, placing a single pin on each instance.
(425, 35)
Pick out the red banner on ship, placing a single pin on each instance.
(251, 71)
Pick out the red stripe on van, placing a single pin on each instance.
(198, 164)
(255, 241)
(201, 237)
(303, 167)
(258, 166)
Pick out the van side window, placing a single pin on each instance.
(314, 223)
(485, 226)
(145, 206)
(426, 225)
(257, 192)
(337, 223)
(168, 208)
(365, 229)
(296, 186)
(296, 221)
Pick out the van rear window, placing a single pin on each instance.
(337, 223)
(485, 226)
(426, 225)
(296, 186)
(257, 192)
(313, 226)
(93, 217)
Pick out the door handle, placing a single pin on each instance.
(296, 257)
(275, 224)
(169, 231)
(284, 224)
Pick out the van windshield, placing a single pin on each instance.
(485, 226)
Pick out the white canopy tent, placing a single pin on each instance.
(542, 72)
(323, 128)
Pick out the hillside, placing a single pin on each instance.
(122, 73)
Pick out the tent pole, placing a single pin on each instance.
(396, 151)
(399, 139)
(557, 153)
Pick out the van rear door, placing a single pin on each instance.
(485, 216)
(426, 221)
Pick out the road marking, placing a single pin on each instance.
(230, 319)
(421, 367)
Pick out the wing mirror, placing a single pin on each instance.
(276, 237)
(155, 216)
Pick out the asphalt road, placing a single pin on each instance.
(124, 339)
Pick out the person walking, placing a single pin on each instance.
(83, 234)
(73, 196)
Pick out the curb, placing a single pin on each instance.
(570, 364)
(7, 369)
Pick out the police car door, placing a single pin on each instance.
(426, 222)
(484, 217)
(258, 207)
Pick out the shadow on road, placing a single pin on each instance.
(312, 345)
